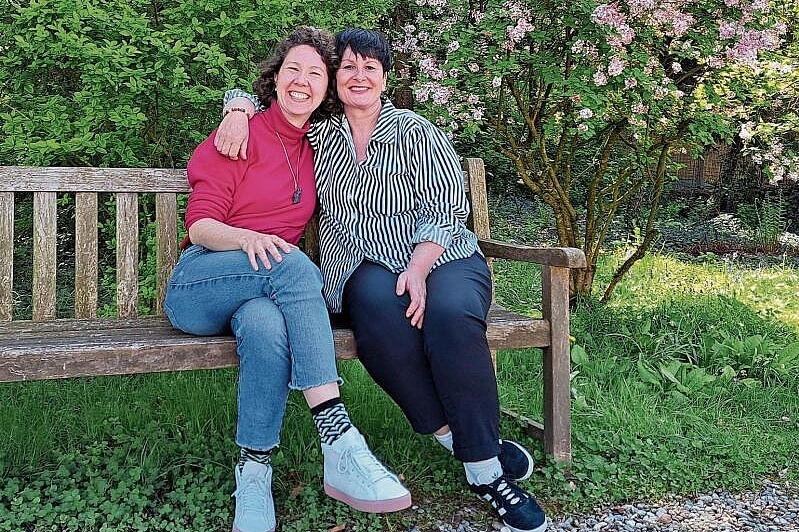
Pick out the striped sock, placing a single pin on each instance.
(262, 457)
(331, 420)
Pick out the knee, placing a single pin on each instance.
(302, 268)
(259, 320)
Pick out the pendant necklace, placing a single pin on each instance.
(297, 196)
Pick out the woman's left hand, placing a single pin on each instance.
(414, 282)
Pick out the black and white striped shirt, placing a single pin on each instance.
(409, 189)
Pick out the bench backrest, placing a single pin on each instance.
(47, 184)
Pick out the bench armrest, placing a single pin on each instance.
(550, 256)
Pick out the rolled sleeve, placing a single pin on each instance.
(442, 207)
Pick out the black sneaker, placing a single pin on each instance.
(517, 463)
(518, 510)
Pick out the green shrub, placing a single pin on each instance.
(135, 83)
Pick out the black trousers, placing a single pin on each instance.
(439, 375)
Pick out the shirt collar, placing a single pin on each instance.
(386, 127)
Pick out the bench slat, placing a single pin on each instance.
(78, 179)
(6, 255)
(86, 248)
(76, 348)
(166, 216)
(127, 254)
(44, 255)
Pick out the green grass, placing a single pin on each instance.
(688, 380)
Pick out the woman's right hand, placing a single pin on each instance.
(261, 246)
(233, 133)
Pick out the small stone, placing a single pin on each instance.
(665, 519)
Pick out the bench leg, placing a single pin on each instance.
(557, 369)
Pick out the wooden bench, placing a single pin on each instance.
(83, 344)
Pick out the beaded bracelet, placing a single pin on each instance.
(238, 109)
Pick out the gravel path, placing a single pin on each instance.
(775, 508)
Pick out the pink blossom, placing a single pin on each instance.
(600, 78)
(496, 82)
(453, 47)
(630, 83)
(676, 67)
(582, 127)
(477, 114)
(608, 15)
(640, 109)
(576, 98)
(474, 67)
(473, 99)
(586, 113)
(616, 66)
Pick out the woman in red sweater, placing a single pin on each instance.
(242, 272)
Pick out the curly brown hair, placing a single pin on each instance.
(321, 41)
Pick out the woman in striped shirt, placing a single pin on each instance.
(399, 262)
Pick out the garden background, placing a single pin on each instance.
(590, 117)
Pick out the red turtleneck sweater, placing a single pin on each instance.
(257, 193)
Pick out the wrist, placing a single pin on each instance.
(229, 110)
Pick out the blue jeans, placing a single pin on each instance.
(280, 322)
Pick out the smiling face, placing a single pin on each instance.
(301, 84)
(360, 81)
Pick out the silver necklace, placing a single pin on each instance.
(297, 196)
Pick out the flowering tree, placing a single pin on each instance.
(769, 127)
(587, 100)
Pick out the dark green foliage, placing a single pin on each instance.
(136, 83)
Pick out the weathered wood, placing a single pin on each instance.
(86, 247)
(44, 255)
(70, 179)
(67, 348)
(166, 215)
(564, 257)
(127, 254)
(6, 255)
(476, 178)
(557, 363)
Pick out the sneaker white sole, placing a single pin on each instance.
(237, 529)
(372, 507)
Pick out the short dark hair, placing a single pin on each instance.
(321, 41)
(366, 43)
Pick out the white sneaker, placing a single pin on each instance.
(353, 475)
(255, 508)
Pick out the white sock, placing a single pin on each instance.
(484, 471)
(445, 440)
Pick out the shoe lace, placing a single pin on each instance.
(365, 463)
(251, 492)
(509, 494)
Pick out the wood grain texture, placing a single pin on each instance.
(127, 254)
(67, 179)
(6, 255)
(44, 255)
(86, 247)
(166, 216)
(75, 347)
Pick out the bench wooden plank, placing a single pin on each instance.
(6, 255)
(79, 179)
(127, 254)
(44, 255)
(86, 247)
(78, 348)
(166, 216)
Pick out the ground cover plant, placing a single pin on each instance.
(688, 380)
